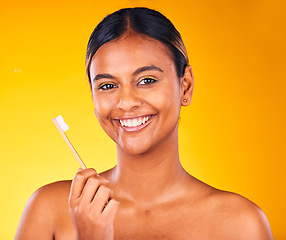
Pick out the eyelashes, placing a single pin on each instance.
(147, 80)
(110, 85)
(107, 86)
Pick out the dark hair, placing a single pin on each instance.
(143, 21)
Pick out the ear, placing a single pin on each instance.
(91, 93)
(187, 86)
(95, 113)
(90, 89)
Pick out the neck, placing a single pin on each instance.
(151, 176)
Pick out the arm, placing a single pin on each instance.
(37, 218)
(245, 220)
(254, 225)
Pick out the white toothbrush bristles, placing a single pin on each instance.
(62, 127)
(62, 123)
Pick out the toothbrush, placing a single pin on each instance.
(62, 127)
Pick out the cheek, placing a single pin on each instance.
(167, 98)
(103, 109)
(102, 106)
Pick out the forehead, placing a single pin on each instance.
(130, 52)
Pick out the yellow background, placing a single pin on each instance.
(232, 136)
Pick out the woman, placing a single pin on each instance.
(139, 75)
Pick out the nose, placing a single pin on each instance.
(128, 99)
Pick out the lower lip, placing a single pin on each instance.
(137, 128)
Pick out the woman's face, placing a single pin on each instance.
(136, 92)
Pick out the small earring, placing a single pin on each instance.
(185, 100)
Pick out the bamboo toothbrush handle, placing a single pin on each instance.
(69, 144)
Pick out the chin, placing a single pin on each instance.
(134, 149)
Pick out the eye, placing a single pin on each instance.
(147, 80)
(107, 86)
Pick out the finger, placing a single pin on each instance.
(111, 209)
(79, 181)
(91, 187)
(101, 197)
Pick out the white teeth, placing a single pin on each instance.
(139, 122)
(134, 122)
(129, 123)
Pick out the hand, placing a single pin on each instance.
(91, 212)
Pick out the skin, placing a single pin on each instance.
(152, 196)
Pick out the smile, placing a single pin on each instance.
(135, 124)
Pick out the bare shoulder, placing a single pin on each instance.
(225, 215)
(43, 210)
(237, 216)
(54, 195)
(60, 189)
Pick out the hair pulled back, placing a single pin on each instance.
(142, 21)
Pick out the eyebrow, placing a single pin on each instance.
(139, 70)
(103, 75)
(147, 68)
